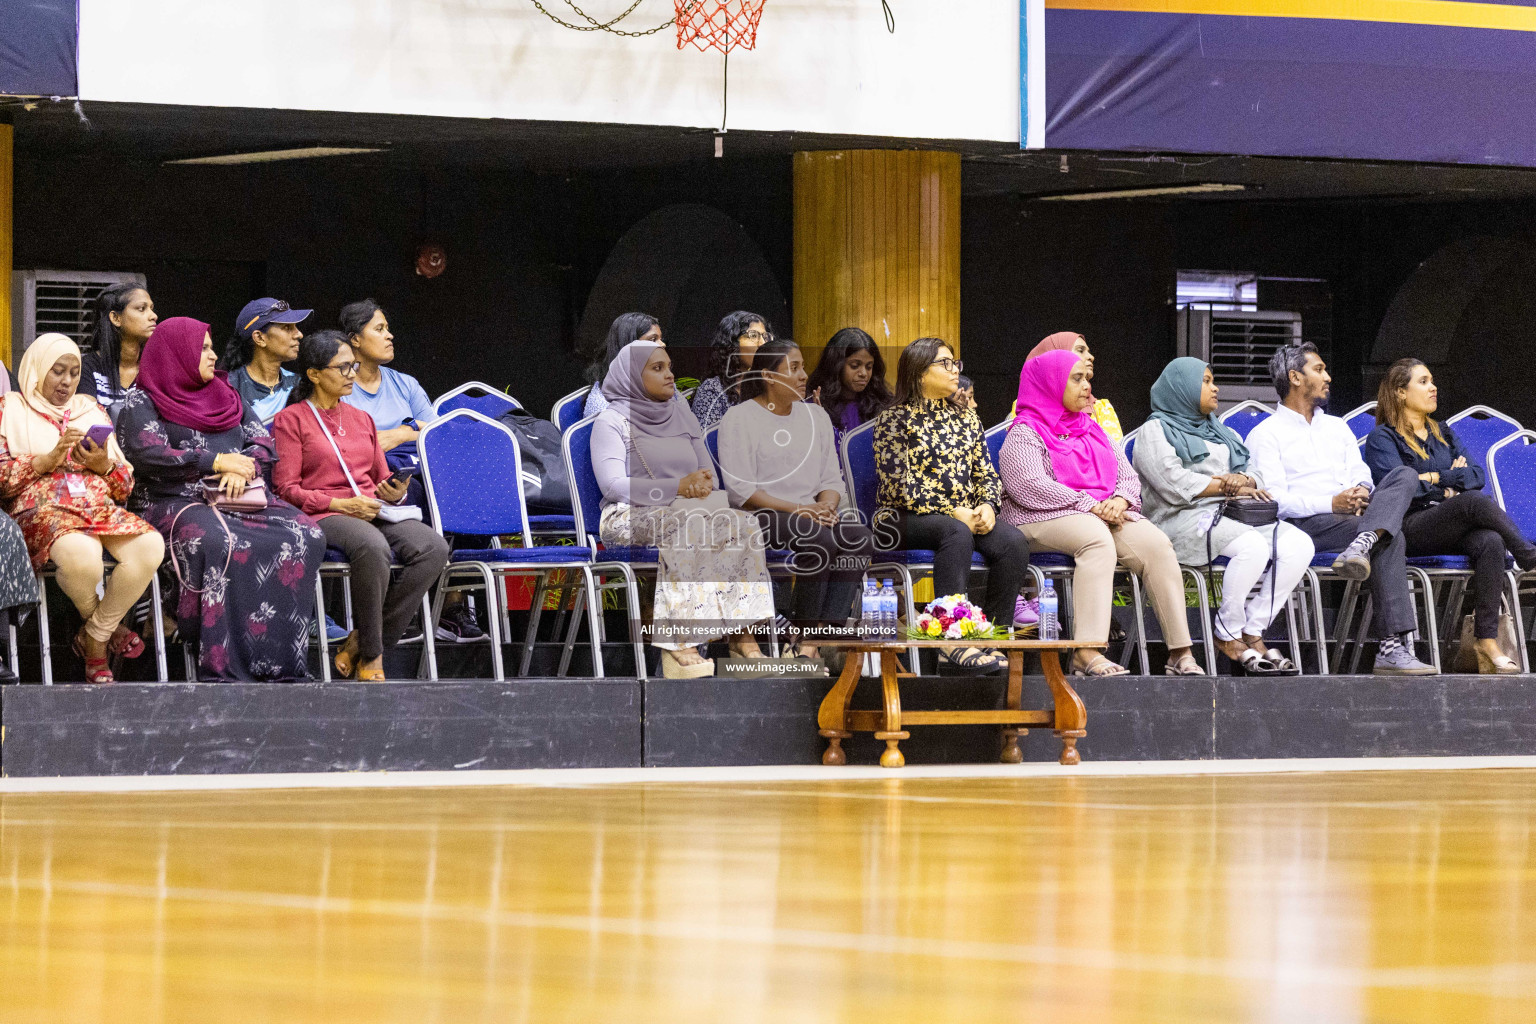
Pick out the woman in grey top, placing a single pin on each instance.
(647, 453)
(1189, 463)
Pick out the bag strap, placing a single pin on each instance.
(229, 545)
(334, 447)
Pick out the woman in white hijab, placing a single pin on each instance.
(62, 479)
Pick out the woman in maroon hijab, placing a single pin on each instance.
(246, 575)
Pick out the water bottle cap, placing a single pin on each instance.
(887, 583)
(1049, 585)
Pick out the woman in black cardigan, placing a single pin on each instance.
(1452, 513)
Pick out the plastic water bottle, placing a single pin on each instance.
(869, 611)
(888, 611)
(1050, 624)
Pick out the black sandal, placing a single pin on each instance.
(976, 659)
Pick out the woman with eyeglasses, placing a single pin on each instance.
(332, 466)
(125, 318)
(737, 338)
(939, 490)
(245, 575)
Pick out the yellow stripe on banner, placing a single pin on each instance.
(1449, 13)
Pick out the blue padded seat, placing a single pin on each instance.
(551, 553)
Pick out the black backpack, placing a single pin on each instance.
(544, 481)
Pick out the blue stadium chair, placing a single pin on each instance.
(1512, 475)
(1479, 428)
(996, 435)
(1128, 444)
(482, 398)
(1361, 420)
(472, 468)
(1244, 416)
(568, 409)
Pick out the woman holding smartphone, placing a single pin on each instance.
(330, 465)
(245, 564)
(62, 478)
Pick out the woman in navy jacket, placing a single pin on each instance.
(1452, 514)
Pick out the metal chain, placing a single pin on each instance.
(594, 25)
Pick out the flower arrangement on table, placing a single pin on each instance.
(954, 618)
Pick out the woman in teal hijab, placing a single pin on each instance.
(1191, 427)
(1189, 463)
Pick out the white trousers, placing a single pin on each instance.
(1245, 609)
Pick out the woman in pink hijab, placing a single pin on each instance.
(1070, 341)
(1069, 488)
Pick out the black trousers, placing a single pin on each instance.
(829, 562)
(1472, 524)
(1389, 570)
(383, 609)
(1005, 551)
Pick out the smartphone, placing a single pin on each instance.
(98, 434)
(401, 476)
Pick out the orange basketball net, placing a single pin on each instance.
(722, 24)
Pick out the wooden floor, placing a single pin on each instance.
(1366, 896)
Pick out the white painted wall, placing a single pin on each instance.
(951, 70)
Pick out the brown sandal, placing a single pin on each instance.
(346, 658)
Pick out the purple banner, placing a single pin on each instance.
(37, 48)
(1289, 86)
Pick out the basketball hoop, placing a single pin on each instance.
(724, 25)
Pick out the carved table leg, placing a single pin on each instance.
(833, 716)
(1071, 717)
(1011, 752)
(892, 733)
(834, 754)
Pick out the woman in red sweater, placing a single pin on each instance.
(354, 503)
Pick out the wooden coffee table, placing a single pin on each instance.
(1068, 719)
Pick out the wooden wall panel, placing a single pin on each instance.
(877, 246)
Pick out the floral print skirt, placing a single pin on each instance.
(18, 586)
(713, 578)
(249, 622)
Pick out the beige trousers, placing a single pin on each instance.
(78, 558)
(1096, 546)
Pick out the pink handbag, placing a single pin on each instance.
(252, 499)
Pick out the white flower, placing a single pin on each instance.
(953, 632)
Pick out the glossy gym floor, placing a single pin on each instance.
(1390, 896)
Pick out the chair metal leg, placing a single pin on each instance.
(188, 663)
(428, 639)
(1207, 628)
(324, 641)
(15, 652)
(1512, 577)
(1291, 628)
(1431, 626)
(45, 645)
(594, 620)
(568, 646)
(1139, 624)
(157, 622)
(1314, 585)
(1347, 606)
(439, 595)
(535, 612)
(632, 600)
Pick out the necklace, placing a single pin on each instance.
(338, 430)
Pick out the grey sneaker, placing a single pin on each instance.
(1396, 658)
(1354, 562)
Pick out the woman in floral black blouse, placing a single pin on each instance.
(939, 490)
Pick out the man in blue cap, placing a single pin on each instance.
(266, 336)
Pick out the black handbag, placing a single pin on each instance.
(1251, 511)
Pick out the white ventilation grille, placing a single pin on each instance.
(1238, 344)
(59, 301)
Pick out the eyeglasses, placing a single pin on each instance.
(757, 336)
(346, 369)
(950, 364)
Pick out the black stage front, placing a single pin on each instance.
(180, 728)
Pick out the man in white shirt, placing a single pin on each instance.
(1311, 463)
